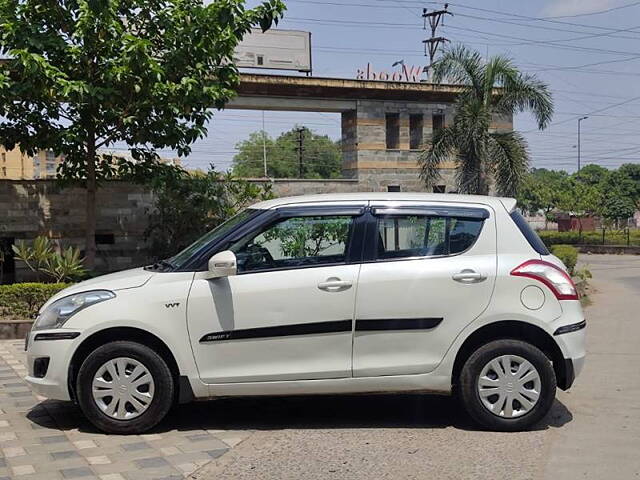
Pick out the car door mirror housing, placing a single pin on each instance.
(223, 264)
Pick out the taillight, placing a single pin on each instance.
(552, 276)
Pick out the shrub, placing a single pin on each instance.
(568, 255)
(612, 237)
(42, 258)
(23, 300)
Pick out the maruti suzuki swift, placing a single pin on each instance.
(324, 294)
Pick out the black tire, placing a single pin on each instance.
(470, 397)
(164, 387)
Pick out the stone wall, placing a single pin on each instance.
(29, 208)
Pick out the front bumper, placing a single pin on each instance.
(54, 384)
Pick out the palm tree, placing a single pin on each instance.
(495, 87)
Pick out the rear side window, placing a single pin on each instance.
(402, 236)
(528, 232)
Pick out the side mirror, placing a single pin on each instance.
(222, 264)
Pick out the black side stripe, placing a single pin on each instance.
(280, 331)
(324, 327)
(398, 324)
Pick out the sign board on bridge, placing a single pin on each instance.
(275, 49)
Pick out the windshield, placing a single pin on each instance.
(181, 258)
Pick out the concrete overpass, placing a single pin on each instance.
(385, 124)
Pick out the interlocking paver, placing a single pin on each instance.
(54, 439)
(43, 439)
(23, 470)
(80, 444)
(13, 451)
(65, 455)
(76, 472)
(99, 460)
(151, 462)
(133, 447)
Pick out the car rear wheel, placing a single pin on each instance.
(125, 387)
(507, 385)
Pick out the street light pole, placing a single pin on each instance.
(579, 120)
(264, 147)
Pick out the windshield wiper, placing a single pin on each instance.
(161, 265)
(167, 264)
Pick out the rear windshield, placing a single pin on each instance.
(528, 232)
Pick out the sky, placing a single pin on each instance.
(587, 51)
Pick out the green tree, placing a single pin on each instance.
(543, 190)
(83, 75)
(617, 209)
(321, 156)
(187, 206)
(620, 196)
(632, 185)
(480, 154)
(581, 200)
(592, 174)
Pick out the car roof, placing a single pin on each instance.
(494, 202)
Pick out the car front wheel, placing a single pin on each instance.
(507, 385)
(125, 387)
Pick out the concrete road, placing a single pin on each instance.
(593, 431)
(603, 440)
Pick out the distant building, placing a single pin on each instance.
(15, 165)
(45, 164)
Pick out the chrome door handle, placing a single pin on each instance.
(468, 276)
(334, 285)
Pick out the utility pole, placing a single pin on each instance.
(264, 147)
(300, 149)
(434, 19)
(579, 120)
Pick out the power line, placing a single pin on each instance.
(499, 20)
(527, 41)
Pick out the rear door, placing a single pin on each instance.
(430, 271)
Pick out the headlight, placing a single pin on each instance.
(56, 314)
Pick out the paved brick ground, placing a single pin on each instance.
(47, 440)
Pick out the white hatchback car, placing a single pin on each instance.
(324, 294)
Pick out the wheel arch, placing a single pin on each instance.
(184, 393)
(515, 330)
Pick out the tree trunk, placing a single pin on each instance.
(90, 221)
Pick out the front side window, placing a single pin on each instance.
(402, 236)
(295, 242)
(208, 238)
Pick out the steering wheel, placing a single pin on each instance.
(257, 257)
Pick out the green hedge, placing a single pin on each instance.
(23, 300)
(568, 255)
(612, 237)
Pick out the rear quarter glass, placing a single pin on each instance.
(528, 233)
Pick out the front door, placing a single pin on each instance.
(431, 272)
(288, 314)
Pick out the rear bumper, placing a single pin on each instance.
(571, 339)
(572, 368)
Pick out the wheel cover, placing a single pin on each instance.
(509, 386)
(123, 388)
